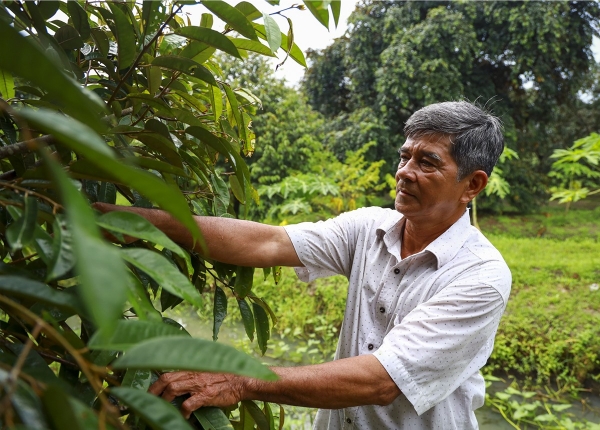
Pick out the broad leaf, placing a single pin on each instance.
(163, 272)
(232, 16)
(129, 333)
(319, 9)
(262, 422)
(77, 102)
(63, 258)
(156, 412)
(295, 52)
(273, 32)
(210, 37)
(7, 85)
(83, 140)
(212, 418)
(103, 287)
(251, 45)
(243, 281)
(263, 330)
(199, 355)
(185, 65)
(79, 18)
(247, 318)
(20, 232)
(125, 37)
(32, 290)
(219, 311)
(136, 225)
(138, 379)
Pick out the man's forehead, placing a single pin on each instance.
(429, 143)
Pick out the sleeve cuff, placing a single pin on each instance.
(397, 371)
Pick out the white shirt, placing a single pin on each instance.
(430, 319)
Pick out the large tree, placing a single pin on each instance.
(528, 60)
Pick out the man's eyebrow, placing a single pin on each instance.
(432, 155)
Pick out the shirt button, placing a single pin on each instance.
(382, 310)
(348, 420)
(370, 346)
(396, 271)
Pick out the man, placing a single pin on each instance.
(426, 290)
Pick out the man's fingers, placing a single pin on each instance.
(177, 388)
(159, 386)
(191, 404)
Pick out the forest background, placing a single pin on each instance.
(184, 109)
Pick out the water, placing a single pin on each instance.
(588, 407)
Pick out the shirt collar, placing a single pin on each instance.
(391, 228)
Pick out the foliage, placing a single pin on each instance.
(531, 61)
(577, 169)
(123, 101)
(332, 188)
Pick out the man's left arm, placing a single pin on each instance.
(339, 384)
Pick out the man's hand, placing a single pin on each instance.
(205, 389)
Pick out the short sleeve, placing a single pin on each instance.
(326, 248)
(435, 348)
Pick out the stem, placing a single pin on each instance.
(33, 193)
(139, 57)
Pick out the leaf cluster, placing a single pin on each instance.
(122, 102)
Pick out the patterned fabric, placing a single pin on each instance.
(430, 319)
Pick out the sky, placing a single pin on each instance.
(308, 32)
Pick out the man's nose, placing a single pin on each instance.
(405, 171)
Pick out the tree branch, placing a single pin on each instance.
(26, 146)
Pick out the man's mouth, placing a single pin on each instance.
(403, 192)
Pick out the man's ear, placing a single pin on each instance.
(476, 182)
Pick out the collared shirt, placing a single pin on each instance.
(430, 319)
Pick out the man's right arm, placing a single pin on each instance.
(228, 240)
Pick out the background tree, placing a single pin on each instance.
(124, 101)
(531, 59)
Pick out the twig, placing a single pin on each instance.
(142, 52)
(33, 193)
(81, 362)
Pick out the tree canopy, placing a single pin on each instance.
(527, 61)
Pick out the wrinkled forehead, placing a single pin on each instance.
(437, 143)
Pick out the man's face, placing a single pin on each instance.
(426, 185)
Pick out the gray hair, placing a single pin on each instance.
(476, 135)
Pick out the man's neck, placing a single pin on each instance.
(417, 235)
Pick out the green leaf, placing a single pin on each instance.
(232, 16)
(59, 409)
(262, 422)
(7, 85)
(20, 232)
(210, 37)
(42, 242)
(185, 65)
(107, 193)
(63, 258)
(84, 141)
(212, 418)
(336, 7)
(153, 14)
(249, 10)
(319, 9)
(219, 311)
(138, 379)
(237, 189)
(263, 330)
(17, 286)
(156, 412)
(199, 355)
(75, 101)
(206, 20)
(243, 281)
(129, 333)
(125, 37)
(79, 19)
(247, 318)
(252, 45)
(217, 101)
(68, 38)
(103, 287)
(137, 226)
(273, 32)
(295, 52)
(163, 272)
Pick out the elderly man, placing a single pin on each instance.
(426, 289)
